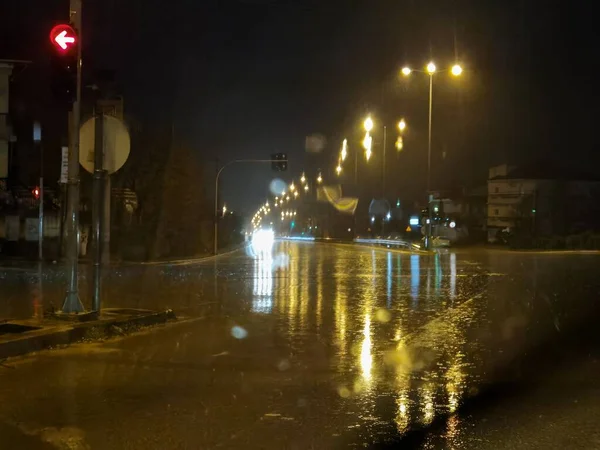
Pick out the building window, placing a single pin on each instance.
(496, 212)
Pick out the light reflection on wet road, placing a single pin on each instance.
(335, 345)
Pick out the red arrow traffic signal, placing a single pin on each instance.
(63, 37)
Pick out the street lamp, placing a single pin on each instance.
(303, 178)
(430, 70)
(292, 187)
(306, 188)
(368, 124)
(338, 169)
(456, 70)
(402, 125)
(319, 178)
(344, 152)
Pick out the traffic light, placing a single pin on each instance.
(63, 63)
(279, 162)
(36, 192)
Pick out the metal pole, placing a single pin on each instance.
(41, 206)
(72, 303)
(356, 169)
(98, 206)
(41, 221)
(429, 225)
(217, 209)
(105, 218)
(383, 162)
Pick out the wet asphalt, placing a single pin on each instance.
(320, 346)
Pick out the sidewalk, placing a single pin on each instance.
(18, 337)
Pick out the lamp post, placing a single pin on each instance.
(430, 70)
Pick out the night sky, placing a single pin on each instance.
(243, 79)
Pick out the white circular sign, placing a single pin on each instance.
(116, 144)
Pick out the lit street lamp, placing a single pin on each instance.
(402, 125)
(431, 69)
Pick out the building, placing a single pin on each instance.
(541, 200)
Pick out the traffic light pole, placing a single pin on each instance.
(216, 240)
(72, 303)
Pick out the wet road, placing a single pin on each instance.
(310, 346)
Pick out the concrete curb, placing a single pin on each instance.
(51, 333)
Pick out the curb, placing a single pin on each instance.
(52, 333)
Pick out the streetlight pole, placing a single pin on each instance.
(384, 160)
(428, 237)
(455, 70)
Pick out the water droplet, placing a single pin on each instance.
(238, 332)
(284, 364)
(344, 392)
(383, 315)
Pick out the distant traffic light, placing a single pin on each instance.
(63, 62)
(279, 162)
(36, 192)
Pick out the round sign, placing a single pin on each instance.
(116, 144)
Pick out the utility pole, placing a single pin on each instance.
(72, 303)
(37, 140)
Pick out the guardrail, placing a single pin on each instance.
(388, 242)
(369, 241)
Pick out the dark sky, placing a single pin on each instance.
(244, 78)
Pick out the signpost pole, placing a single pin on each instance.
(98, 206)
(72, 303)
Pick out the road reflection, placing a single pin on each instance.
(397, 338)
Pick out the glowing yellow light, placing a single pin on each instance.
(303, 178)
(456, 70)
(406, 71)
(366, 359)
(306, 188)
(287, 197)
(399, 143)
(295, 193)
(344, 152)
(224, 209)
(368, 124)
(367, 143)
(319, 179)
(402, 125)
(292, 187)
(338, 169)
(431, 68)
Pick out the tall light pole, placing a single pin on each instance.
(430, 70)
